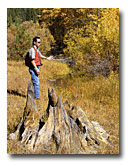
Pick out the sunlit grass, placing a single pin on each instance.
(98, 97)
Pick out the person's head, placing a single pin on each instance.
(36, 41)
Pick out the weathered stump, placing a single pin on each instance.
(61, 130)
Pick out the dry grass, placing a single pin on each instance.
(98, 97)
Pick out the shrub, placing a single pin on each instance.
(19, 39)
(96, 42)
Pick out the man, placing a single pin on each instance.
(34, 70)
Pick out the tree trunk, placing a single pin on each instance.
(61, 130)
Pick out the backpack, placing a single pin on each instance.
(27, 60)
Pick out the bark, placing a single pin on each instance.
(61, 130)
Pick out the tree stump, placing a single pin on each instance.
(61, 130)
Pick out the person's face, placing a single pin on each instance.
(37, 43)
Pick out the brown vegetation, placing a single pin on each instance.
(62, 129)
(98, 97)
(88, 40)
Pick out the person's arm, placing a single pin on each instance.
(34, 64)
(47, 58)
(44, 57)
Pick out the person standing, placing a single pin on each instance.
(34, 69)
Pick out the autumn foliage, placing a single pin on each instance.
(19, 39)
(89, 36)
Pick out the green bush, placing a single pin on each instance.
(19, 39)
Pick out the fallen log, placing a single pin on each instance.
(62, 129)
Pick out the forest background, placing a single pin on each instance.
(88, 39)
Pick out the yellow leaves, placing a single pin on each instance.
(37, 24)
(85, 31)
(51, 13)
(56, 12)
(92, 16)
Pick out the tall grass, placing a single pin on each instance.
(98, 97)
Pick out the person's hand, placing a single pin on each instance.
(50, 58)
(38, 71)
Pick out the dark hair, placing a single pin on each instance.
(35, 39)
